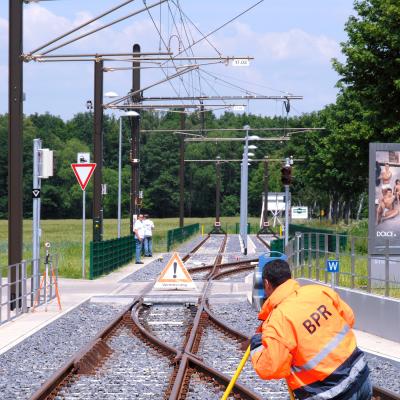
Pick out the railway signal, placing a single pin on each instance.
(286, 175)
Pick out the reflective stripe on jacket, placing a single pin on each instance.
(307, 339)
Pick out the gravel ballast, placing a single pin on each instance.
(30, 363)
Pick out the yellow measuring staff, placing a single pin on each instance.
(236, 376)
(237, 373)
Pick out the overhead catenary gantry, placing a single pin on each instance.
(45, 53)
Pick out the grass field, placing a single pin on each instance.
(65, 237)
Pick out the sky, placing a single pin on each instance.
(292, 43)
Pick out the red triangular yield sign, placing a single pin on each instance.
(83, 173)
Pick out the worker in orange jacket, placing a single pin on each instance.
(306, 337)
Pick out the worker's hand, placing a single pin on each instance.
(255, 341)
(245, 344)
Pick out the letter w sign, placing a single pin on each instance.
(332, 266)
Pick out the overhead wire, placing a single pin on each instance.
(109, 11)
(165, 45)
(204, 37)
(103, 27)
(162, 40)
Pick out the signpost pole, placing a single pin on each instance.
(83, 233)
(37, 145)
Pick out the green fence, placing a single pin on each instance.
(322, 241)
(179, 235)
(313, 239)
(278, 245)
(237, 228)
(108, 255)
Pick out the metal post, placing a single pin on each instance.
(309, 260)
(218, 193)
(317, 257)
(36, 184)
(119, 177)
(83, 234)
(202, 120)
(15, 143)
(244, 192)
(98, 152)
(135, 140)
(46, 277)
(182, 172)
(353, 262)
(24, 289)
(387, 266)
(266, 178)
(337, 240)
(326, 254)
(287, 212)
(298, 249)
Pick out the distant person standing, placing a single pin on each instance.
(138, 230)
(148, 236)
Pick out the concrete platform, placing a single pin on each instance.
(73, 292)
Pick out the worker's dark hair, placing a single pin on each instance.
(276, 272)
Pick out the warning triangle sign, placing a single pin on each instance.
(175, 276)
(83, 173)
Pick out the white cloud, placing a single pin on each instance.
(279, 46)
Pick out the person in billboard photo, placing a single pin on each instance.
(385, 176)
(387, 193)
(386, 208)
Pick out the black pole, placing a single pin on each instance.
(15, 143)
(135, 141)
(218, 195)
(98, 152)
(182, 172)
(202, 121)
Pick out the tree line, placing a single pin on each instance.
(332, 180)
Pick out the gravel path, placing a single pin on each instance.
(384, 373)
(151, 270)
(207, 253)
(232, 249)
(30, 363)
(148, 272)
(224, 354)
(133, 371)
(260, 247)
(200, 389)
(168, 322)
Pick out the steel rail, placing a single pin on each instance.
(225, 265)
(263, 241)
(74, 363)
(59, 376)
(379, 393)
(179, 383)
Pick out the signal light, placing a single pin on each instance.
(286, 175)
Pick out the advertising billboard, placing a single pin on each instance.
(384, 198)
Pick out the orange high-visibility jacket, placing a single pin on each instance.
(307, 339)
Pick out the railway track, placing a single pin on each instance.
(186, 342)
